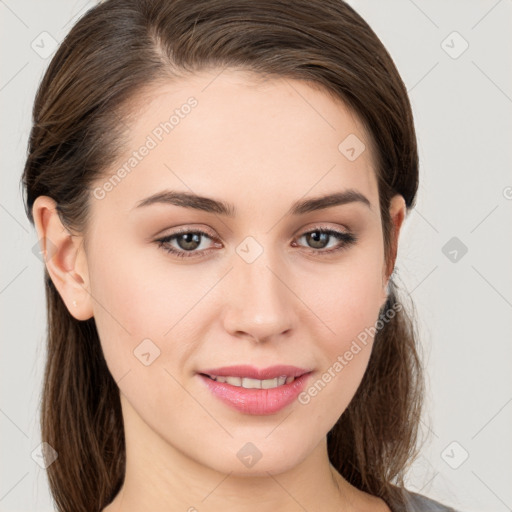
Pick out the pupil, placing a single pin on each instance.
(317, 236)
(190, 238)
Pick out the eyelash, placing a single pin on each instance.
(346, 238)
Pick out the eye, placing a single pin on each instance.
(189, 241)
(319, 237)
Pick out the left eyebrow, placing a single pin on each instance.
(207, 204)
(320, 203)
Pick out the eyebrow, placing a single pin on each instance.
(301, 207)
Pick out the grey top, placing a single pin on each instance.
(419, 503)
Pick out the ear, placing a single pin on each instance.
(397, 213)
(64, 257)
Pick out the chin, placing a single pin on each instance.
(249, 460)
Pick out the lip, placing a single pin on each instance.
(256, 401)
(252, 372)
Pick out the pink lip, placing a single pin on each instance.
(256, 373)
(257, 401)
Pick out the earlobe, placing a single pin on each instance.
(64, 258)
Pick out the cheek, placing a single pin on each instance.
(348, 299)
(129, 291)
(348, 304)
(140, 307)
(132, 313)
(344, 355)
(125, 302)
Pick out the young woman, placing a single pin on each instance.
(219, 188)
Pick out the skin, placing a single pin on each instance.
(260, 145)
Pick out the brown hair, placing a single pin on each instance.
(80, 114)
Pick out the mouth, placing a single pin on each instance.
(248, 383)
(250, 377)
(256, 391)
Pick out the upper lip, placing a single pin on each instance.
(252, 372)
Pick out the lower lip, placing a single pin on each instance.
(257, 401)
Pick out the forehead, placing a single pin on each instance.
(243, 138)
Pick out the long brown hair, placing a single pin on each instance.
(114, 51)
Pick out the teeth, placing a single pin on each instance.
(281, 381)
(270, 383)
(248, 383)
(252, 383)
(234, 381)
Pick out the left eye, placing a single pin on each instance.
(189, 241)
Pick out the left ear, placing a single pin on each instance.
(397, 212)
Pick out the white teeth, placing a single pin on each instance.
(251, 383)
(248, 383)
(269, 383)
(234, 381)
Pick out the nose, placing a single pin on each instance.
(260, 303)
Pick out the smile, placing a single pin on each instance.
(248, 383)
(256, 391)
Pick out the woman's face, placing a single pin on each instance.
(261, 287)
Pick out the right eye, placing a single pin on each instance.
(188, 240)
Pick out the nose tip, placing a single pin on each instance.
(260, 303)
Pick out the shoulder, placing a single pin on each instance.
(419, 503)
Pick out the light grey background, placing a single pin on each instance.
(462, 106)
